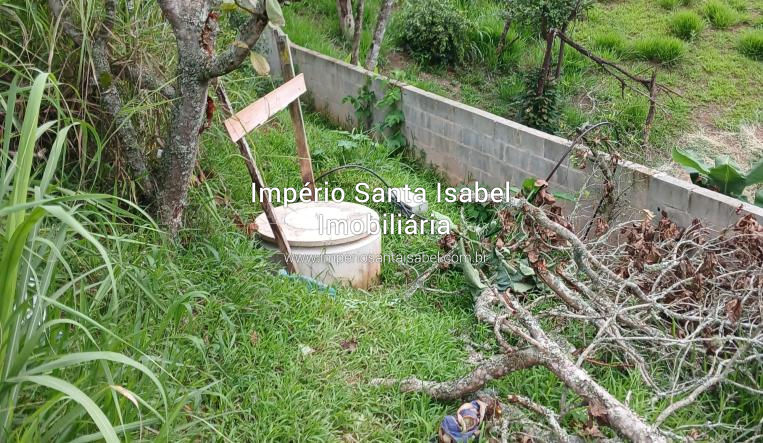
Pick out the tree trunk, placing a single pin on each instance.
(546, 67)
(181, 147)
(381, 28)
(355, 54)
(346, 21)
(504, 34)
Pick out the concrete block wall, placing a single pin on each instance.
(468, 144)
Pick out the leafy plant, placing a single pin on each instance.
(686, 25)
(434, 31)
(50, 355)
(724, 176)
(392, 125)
(363, 104)
(540, 111)
(751, 44)
(667, 50)
(719, 14)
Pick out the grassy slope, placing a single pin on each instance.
(250, 330)
(720, 89)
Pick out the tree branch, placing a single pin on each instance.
(232, 58)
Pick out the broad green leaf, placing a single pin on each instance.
(755, 175)
(690, 161)
(9, 265)
(259, 63)
(77, 358)
(726, 177)
(759, 198)
(275, 15)
(25, 154)
(99, 418)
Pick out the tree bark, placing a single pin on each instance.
(381, 28)
(355, 54)
(195, 27)
(346, 21)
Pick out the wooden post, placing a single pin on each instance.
(259, 183)
(303, 150)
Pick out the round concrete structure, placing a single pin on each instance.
(333, 242)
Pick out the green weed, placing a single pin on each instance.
(665, 50)
(686, 25)
(719, 14)
(751, 44)
(610, 41)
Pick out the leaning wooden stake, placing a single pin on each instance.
(303, 149)
(259, 183)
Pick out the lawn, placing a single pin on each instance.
(718, 109)
(285, 363)
(249, 355)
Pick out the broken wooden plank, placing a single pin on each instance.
(259, 183)
(260, 111)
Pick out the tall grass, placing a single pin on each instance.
(58, 377)
(719, 14)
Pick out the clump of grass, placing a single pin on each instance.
(668, 4)
(672, 4)
(751, 44)
(686, 25)
(719, 14)
(666, 50)
(610, 41)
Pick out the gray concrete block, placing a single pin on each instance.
(668, 192)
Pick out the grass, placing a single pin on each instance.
(719, 14)
(664, 50)
(751, 44)
(686, 25)
(250, 356)
(611, 41)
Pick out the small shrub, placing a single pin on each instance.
(686, 25)
(751, 44)
(665, 50)
(434, 31)
(668, 4)
(610, 41)
(540, 111)
(719, 14)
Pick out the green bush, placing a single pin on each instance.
(665, 50)
(719, 14)
(610, 41)
(686, 25)
(434, 31)
(751, 44)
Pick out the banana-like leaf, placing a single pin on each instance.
(755, 175)
(690, 161)
(99, 418)
(727, 177)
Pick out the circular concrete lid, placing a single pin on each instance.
(307, 224)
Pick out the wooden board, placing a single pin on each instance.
(260, 111)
